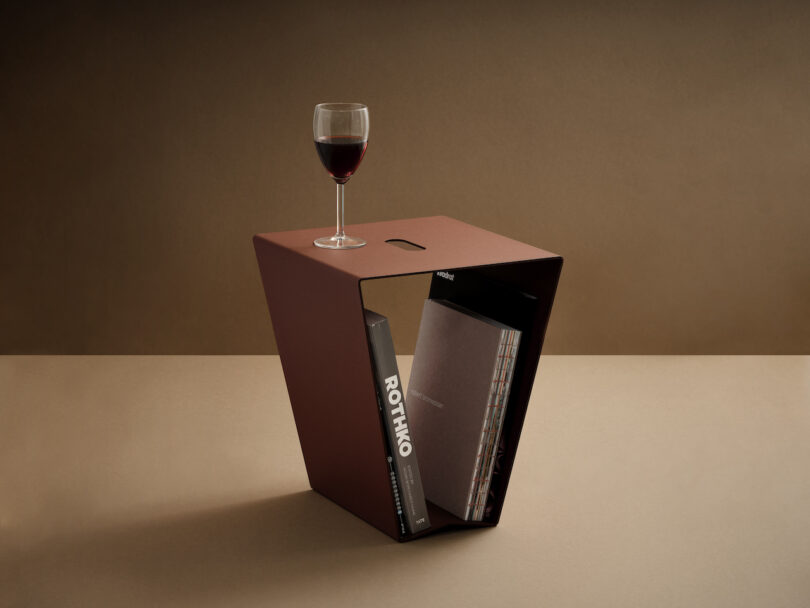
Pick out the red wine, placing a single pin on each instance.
(341, 155)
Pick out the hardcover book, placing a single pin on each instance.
(457, 395)
(482, 290)
(406, 480)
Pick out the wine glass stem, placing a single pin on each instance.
(340, 234)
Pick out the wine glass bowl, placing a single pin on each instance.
(341, 155)
(340, 131)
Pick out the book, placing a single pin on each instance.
(485, 292)
(406, 480)
(457, 394)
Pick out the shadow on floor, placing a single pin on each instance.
(282, 545)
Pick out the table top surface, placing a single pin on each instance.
(178, 481)
(446, 243)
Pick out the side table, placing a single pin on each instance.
(316, 306)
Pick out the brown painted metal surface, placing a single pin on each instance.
(316, 307)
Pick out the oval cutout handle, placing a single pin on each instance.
(403, 244)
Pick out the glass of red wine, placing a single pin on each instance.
(341, 137)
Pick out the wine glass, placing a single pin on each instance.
(341, 137)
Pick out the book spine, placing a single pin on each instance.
(491, 428)
(505, 371)
(392, 474)
(395, 422)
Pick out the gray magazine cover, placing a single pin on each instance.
(448, 398)
(401, 449)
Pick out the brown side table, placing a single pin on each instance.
(316, 306)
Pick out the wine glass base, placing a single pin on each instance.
(339, 242)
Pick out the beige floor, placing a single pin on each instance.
(178, 481)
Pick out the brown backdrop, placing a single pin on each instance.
(662, 149)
